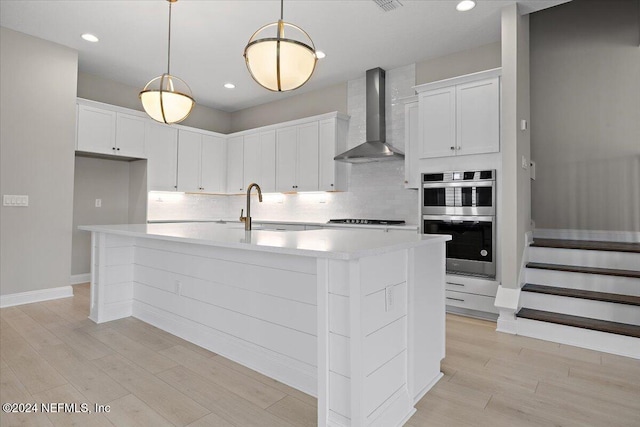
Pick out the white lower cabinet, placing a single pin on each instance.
(471, 293)
(201, 162)
(162, 153)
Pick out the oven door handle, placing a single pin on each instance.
(468, 218)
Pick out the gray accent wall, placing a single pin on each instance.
(332, 98)
(514, 219)
(585, 116)
(458, 64)
(111, 92)
(103, 179)
(38, 81)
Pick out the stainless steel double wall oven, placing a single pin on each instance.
(463, 205)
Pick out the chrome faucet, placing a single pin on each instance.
(247, 219)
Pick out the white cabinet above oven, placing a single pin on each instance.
(459, 116)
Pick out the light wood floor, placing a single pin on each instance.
(51, 352)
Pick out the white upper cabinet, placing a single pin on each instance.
(411, 145)
(213, 164)
(103, 131)
(201, 162)
(130, 135)
(286, 159)
(437, 125)
(96, 130)
(308, 167)
(297, 158)
(161, 144)
(332, 141)
(260, 160)
(460, 116)
(189, 154)
(478, 117)
(235, 165)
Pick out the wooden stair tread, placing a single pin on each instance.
(590, 245)
(580, 322)
(589, 270)
(582, 293)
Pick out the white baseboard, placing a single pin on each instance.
(598, 235)
(35, 296)
(76, 279)
(285, 370)
(586, 338)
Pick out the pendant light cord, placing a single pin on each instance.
(169, 41)
(282, 10)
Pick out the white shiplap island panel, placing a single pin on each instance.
(354, 317)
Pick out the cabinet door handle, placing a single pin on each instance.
(113, 148)
(457, 284)
(455, 299)
(117, 149)
(453, 148)
(459, 147)
(332, 185)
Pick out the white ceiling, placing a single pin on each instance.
(208, 37)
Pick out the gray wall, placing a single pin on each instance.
(514, 220)
(460, 63)
(97, 179)
(110, 92)
(333, 98)
(585, 108)
(38, 81)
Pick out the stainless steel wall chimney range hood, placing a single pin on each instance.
(375, 149)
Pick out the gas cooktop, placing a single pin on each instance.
(366, 221)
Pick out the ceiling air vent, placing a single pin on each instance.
(388, 5)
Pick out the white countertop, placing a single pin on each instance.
(324, 243)
(408, 227)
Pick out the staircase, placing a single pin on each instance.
(583, 293)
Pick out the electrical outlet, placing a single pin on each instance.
(533, 170)
(98, 203)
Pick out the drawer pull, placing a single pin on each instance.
(455, 299)
(456, 284)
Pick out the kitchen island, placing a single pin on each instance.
(354, 317)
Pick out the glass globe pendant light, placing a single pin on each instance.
(166, 98)
(280, 63)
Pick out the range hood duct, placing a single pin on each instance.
(375, 149)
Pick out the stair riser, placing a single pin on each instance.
(576, 257)
(589, 282)
(621, 313)
(585, 338)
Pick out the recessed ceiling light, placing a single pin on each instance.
(465, 5)
(229, 85)
(320, 54)
(90, 37)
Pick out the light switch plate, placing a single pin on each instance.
(15, 200)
